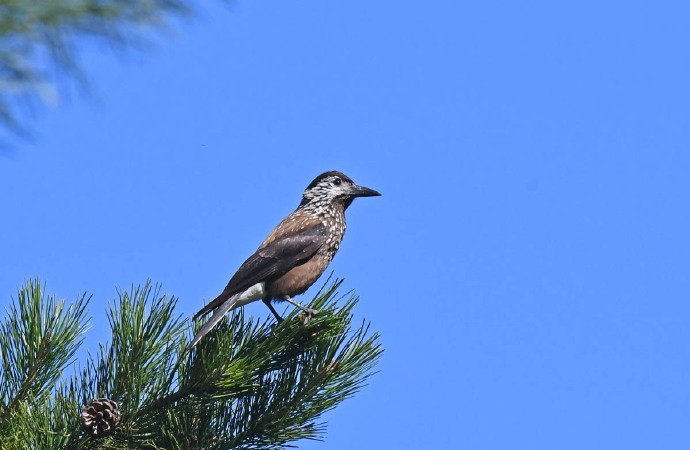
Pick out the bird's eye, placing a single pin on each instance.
(337, 181)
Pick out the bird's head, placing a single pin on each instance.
(334, 187)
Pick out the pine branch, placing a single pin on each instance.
(305, 371)
(249, 384)
(38, 339)
(39, 36)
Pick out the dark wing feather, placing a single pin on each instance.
(273, 260)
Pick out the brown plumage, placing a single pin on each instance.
(295, 253)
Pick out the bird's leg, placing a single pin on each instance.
(267, 302)
(309, 311)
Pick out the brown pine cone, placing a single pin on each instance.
(101, 417)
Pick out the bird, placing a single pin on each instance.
(295, 253)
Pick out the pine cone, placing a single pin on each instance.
(101, 417)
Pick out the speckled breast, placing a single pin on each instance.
(300, 278)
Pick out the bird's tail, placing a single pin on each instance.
(218, 314)
(213, 304)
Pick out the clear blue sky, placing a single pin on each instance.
(528, 263)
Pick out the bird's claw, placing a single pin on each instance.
(306, 316)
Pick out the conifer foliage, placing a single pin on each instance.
(250, 384)
(39, 40)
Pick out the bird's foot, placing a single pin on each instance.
(306, 316)
(308, 312)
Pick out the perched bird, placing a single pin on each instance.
(295, 253)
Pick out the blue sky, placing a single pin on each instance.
(527, 265)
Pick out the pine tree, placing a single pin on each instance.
(38, 40)
(250, 384)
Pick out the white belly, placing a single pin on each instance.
(256, 292)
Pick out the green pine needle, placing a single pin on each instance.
(38, 40)
(38, 339)
(249, 384)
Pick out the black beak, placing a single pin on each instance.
(361, 191)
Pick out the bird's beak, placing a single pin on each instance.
(361, 191)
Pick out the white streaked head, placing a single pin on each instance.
(332, 187)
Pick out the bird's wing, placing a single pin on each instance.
(293, 246)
